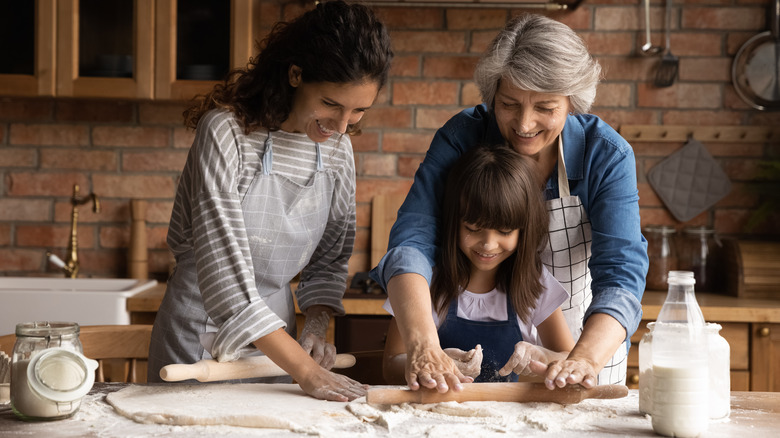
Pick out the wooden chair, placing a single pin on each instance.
(121, 350)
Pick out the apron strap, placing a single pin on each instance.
(319, 156)
(563, 180)
(268, 156)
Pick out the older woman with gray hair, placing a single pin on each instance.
(538, 82)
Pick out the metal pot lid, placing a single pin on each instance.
(755, 72)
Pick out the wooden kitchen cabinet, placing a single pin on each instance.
(765, 357)
(128, 49)
(27, 67)
(105, 49)
(198, 42)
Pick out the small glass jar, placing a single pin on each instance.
(719, 359)
(699, 251)
(646, 371)
(662, 255)
(720, 372)
(49, 373)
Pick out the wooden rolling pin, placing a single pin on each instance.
(496, 391)
(247, 367)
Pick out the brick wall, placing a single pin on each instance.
(136, 149)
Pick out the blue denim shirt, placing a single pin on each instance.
(601, 169)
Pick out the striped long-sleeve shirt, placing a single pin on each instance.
(208, 220)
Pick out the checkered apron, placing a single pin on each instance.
(567, 256)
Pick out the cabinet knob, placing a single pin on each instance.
(763, 331)
(634, 379)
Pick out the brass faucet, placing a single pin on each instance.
(71, 265)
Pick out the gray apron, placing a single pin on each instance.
(284, 223)
(567, 256)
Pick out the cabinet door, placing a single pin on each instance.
(27, 41)
(198, 42)
(765, 357)
(105, 49)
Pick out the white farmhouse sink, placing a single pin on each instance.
(86, 301)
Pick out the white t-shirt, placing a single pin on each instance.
(491, 306)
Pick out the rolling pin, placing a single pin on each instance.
(247, 367)
(523, 392)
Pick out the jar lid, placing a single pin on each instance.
(662, 229)
(61, 375)
(47, 328)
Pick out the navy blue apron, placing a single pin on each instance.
(498, 339)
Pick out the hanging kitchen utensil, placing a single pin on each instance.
(756, 68)
(689, 181)
(648, 49)
(667, 69)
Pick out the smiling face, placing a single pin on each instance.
(321, 109)
(486, 249)
(528, 120)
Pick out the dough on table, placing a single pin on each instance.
(260, 405)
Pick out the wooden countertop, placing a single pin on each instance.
(717, 308)
(355, 303)
(752, 414)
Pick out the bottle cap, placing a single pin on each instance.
(61, 375)
(684, 278)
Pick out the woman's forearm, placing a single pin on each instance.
(411, 302)
(601, 336)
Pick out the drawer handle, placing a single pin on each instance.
(634, 379)
(763, 331)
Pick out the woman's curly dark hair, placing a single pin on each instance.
(334, 42)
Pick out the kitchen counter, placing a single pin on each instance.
(721, 308)
(753, 413)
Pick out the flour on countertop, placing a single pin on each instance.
(360, 420)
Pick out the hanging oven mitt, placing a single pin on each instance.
(689, 181)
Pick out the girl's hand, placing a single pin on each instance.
(530, 360)
(468, 362)
(313, 339)
(327, 385)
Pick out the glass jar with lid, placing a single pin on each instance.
(49, 373)
(699, 251)
(662, 255)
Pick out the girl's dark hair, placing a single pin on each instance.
(493, 187)
(334, 42)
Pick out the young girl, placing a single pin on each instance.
(489, 287)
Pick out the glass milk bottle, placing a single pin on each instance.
(680, 382)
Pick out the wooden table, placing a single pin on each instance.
(753, 414)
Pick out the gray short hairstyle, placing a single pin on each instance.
(540, 54)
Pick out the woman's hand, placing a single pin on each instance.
(327, 385)
(468, 362)
(313, 337)
(431, 367)
(569, 371)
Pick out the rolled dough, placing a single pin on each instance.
(278, 406)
